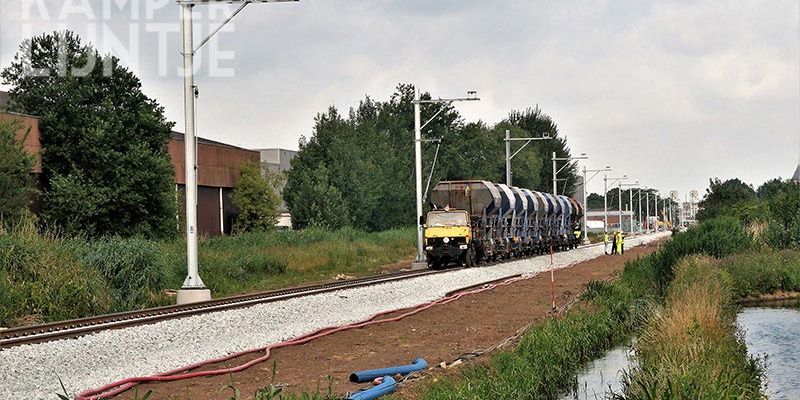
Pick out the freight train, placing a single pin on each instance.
(474, 221)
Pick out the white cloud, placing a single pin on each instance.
(669, 92)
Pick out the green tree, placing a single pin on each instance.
(536, 123)
(774, 187)
(367, 155)
(315, 202)
(723, 198)
(16, 186)
(783, 218)
(594, 201)
(257, 199)
(103, 139)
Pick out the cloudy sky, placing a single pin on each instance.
(670, 93)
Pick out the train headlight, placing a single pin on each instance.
(463, 247)
(428, 247)
(446, 240)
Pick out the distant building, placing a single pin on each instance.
(796, 176)
(595, 220)
(277, 160)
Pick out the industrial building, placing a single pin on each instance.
(217, 173)
(595, 220)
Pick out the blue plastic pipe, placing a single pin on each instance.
(370, 374)
(374, 392)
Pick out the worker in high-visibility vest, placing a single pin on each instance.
(618, 241)
(614, 237)
(621, 243)
(577, 234)
(606, 242)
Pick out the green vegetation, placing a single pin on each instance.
(723, 198)
(106, 170)
(16, 186)
(47, 278)
(257, 199)
(770, 212)
(355, 169)
(763, 272)
(545, 362)
(692, 348)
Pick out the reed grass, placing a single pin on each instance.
(692, 348)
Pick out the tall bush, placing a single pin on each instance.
(16, 185)
(257, 199)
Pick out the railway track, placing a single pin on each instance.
(84, 326)
(79, 327)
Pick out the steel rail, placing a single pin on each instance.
(83, 326)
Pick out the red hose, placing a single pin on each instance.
(119, 387)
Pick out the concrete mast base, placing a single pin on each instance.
(193, 295)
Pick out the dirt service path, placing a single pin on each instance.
(440, 334)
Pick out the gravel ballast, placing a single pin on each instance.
(30, 371)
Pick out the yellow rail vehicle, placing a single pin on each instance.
(448, 237)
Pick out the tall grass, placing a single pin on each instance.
(692, 349)
(45, 277)
(41, 280)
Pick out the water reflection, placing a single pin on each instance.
(774, 332)
(602, 376)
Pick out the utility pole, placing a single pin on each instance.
(420, 261)
(630, 187)
(630, 205)
(418, 174)
(193, 288)
(583, 156)
(647, 203)
(605, 199)
(640, 209)
(585, 195)
(605, 204)
(509, 156)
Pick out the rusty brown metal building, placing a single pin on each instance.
(217, 173)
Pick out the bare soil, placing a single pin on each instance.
(440, 334)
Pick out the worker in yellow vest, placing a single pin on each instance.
(619, 242)
(606, 242)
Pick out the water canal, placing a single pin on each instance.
(771, 333)
(774, 332)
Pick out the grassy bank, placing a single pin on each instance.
(46, 277)
(549, 355)
(692, 348)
